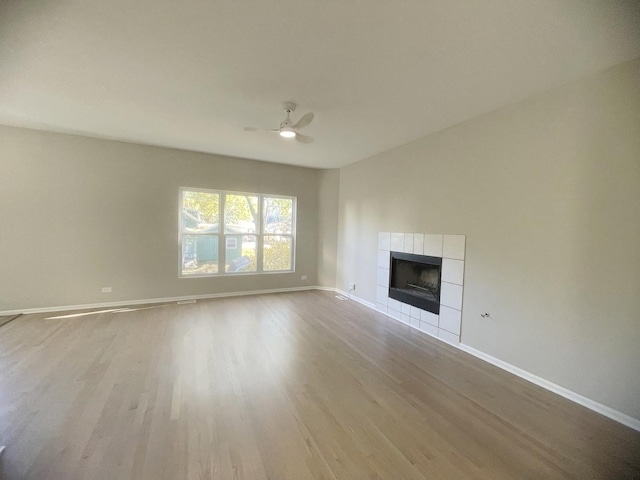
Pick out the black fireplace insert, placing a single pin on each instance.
(415, 279)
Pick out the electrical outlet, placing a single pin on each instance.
(106, 289)
(352, 286)
(303, 277)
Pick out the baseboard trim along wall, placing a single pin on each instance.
(147, 301)
(609, 412)
(354, 298)
(564, 392)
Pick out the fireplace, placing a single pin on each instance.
(415, 279)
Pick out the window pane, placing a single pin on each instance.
(240, 253)
(277, 252)
(199, 254)
(200, 212)
(241, 214)
(278, 215)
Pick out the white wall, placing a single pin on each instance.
(548, 193)
(78, 213)
(329, 190)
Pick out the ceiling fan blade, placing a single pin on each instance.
(303, 138)
(254, 129)
(304, 121)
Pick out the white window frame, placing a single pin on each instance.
(222, 235)
(292, 235)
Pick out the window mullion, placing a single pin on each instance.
(222, 236)
(259, 235)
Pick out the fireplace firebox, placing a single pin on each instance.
(415, 280)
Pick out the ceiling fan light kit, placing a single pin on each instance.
(286, 132)
(287, 128)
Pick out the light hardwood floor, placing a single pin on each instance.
(281, 387)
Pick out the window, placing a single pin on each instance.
(257, 231)
(277, 231)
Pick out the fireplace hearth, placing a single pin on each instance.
(415, 280)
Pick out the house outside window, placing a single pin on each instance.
(256, 230)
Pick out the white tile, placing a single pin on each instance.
(428, 317)
(406, 309)
(405, 319)
(382, 295)
(452, 271)
(383, 259)
(397, 242)
(381, 308)
(414, 322)
(453, 247)
(428, 328)
(450, 320)
(394, 313)
(415, 312)
(384, 241)
(418, 243)
(451, 295)
(383, 277)
(448, 337)
(394, 304)
(433, 245)
(408, 243)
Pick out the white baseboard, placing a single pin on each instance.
(325, 289)
(609, 412)
(145, 301)
(564, 392)
(354, 298)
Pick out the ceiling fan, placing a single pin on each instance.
(287, 128)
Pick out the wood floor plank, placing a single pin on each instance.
(280, 387)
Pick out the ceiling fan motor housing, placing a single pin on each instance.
(289, 107)
(289, 129)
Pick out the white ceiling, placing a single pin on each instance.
(191, 74)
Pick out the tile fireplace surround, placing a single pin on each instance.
(450, 248)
